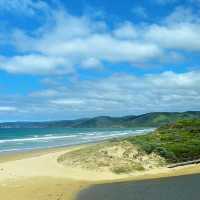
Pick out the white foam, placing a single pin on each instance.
(53, 140)
(37, 138)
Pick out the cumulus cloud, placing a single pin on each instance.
(62, 45)
(126, 31)
(67, 42)
(140, 11)
(35, 64)
(180, 31)
(182, 14)
(7, 109)
(115, 95)
(25, 7)
(92, 63)
(179, 36)
(67, 102)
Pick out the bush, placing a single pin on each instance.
(148, 147)
(121, 169)
(125, 169)
(138, 167)
(175, 142)
(163, 152)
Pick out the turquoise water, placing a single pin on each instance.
(16, 139)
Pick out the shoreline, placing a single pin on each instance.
(15, 155)
(75, 142)
(21, 173)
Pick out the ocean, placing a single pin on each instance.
(17, 139)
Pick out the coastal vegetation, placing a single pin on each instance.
(176, 142)
(112, 156)
(172, 143)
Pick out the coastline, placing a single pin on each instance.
(18, 155)
(40, 139)
(22, 174)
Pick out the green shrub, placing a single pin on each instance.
(169, 155)
(175, 142)
(121, 169)
(138, 167)
(125, 169)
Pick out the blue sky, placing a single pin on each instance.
(70, 59)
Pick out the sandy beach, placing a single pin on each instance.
(38, 176)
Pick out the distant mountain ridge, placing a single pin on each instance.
(153, 119)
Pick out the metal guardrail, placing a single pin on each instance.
(184, 163)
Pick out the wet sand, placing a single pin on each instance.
(171, 188)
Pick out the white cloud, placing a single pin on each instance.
(24, 7)
(182, 14)
(91, 63)
(140, 11)
(179, 36)
(7, 109)
(178, 31)
(45, 93)
(119, 94)
(67, 102)
(68, 42)
(35, 64)
(126, 31)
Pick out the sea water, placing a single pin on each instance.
(17, 139)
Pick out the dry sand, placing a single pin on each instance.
(38, 176)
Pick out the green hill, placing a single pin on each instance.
(154, 119)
